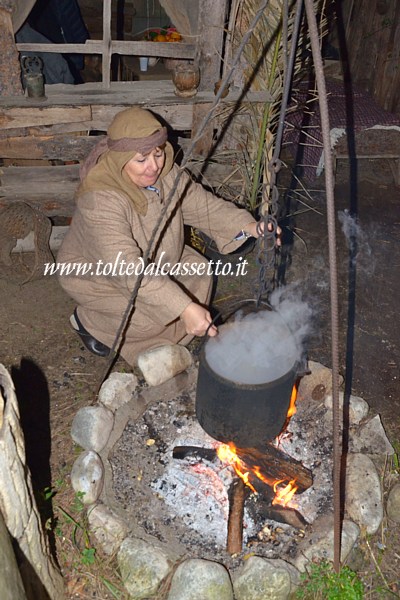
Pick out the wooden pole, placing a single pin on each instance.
(10, 69)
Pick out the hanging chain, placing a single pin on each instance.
(267, 228)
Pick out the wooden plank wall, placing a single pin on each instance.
(373, 40)
(43, 142)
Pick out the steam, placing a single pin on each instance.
(264, 345)
(357, 242)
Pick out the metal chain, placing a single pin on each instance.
(267, 249)
(267, 229)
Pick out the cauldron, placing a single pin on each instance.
(247, 414)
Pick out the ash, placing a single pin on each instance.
(185, 503)
(308, 438)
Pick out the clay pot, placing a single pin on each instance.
(186, 79)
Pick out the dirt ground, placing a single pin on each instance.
(55, 375)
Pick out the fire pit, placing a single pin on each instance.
(182, 478)
(165, 482)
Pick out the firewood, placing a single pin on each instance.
(235, 521)
(282, 514)
(276, 465)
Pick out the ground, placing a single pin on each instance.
(55, 375)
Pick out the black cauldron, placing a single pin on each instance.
(249, 415)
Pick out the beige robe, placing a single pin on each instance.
(105, 227)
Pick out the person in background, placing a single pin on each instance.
(61, 22)
(55, 68)
(125, 182)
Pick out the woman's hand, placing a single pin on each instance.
(251, 229)
(197, 319)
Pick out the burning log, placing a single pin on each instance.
(235, 521)
(272, 464)
(275, 465)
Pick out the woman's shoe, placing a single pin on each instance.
(93, 345)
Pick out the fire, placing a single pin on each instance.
(284, 491)
(285, 494)
(292, 405)
(227, 454)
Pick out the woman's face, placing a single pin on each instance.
(145, 170)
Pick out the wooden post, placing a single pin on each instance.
(106, 52)
(10, 69)
(42, 580)
(210, 40)
(212, 15)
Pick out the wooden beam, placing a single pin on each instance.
(30, 116)
(16, 181)
(127, 93)
(128, 48)
(54, 203)
(10, 70)
(51, 147)
(106, 49)
(51, 189)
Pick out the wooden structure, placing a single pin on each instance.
(40, 576)
(57, 131)
(373, 48)
(42, 141)
(373, 144)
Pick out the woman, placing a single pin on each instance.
(126, 181)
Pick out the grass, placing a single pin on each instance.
(87, 573)
(322, 582)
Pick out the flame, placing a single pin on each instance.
(292, 406)
(285, 494)
(227, 454)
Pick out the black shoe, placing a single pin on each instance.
(90, 342)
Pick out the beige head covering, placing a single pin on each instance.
(132, 130)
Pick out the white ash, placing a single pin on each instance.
(198, 491)
(308, 440)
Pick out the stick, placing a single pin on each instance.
(235, 521)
